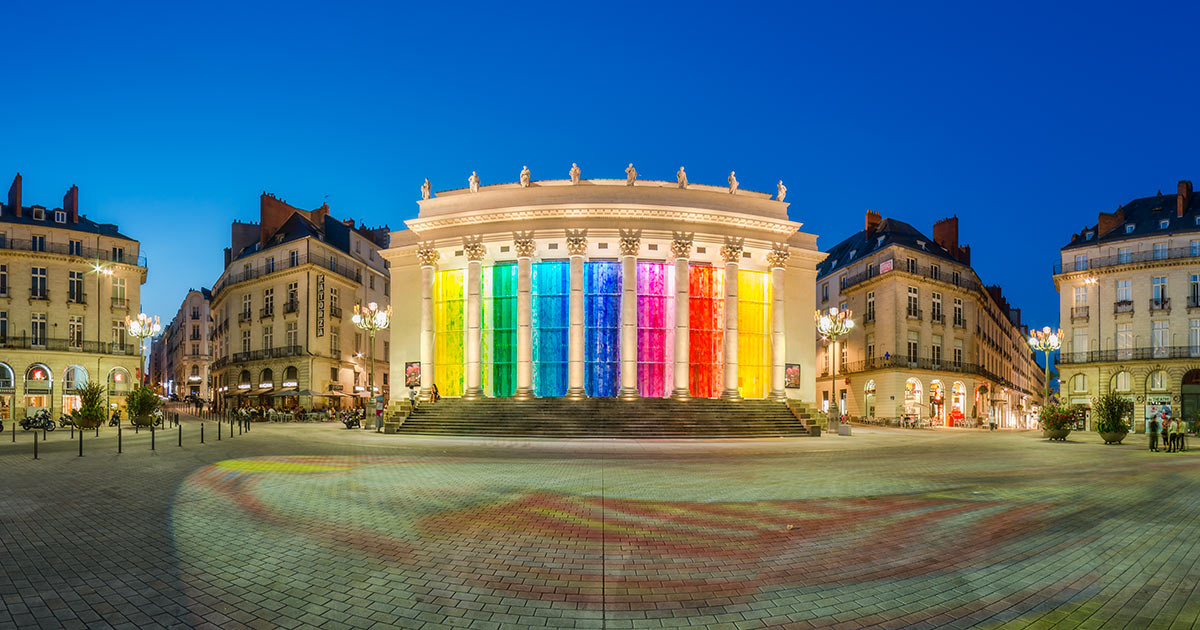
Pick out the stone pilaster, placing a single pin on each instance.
(524, 245)
(731, 253)
(427, 256)
(474, 249)
(681, 249)
(577, 249)
(777, 262)
(631, 241)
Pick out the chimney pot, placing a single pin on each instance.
(1185, 197)
(872, 222)
(14, 196)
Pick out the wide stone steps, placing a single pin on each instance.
(605, 418)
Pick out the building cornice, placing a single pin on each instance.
(632, 212)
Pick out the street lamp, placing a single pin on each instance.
(833, 325)
(1047, 341)
(371, 319)
(141, 328)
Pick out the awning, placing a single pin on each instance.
(260, 392)
(337, 395)
(291, 391)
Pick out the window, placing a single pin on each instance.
(958, 313)
(268, 302)
(270, 264)
(37, 243)
(60, 216)
(75, 286)
(290, 334)
(912, 265)
(246, 270)
(1124, 341)
(870, 347)
(246, 305)
(333, 374)
(37, 283)
(1158, 380)
(935, 351)
(1080, 261)
(118, 254)
(1080, 296)
(914, 343)
(1160, 337)
(3, 326)
(118, 289)
(955, 277)
(39, 214)
(333, 299)
(1194, 248)
(1160, 251)
(371, 280)
(958, 353)
(935, 272)
(1079, 383)
(195, 312)
(37, 329)
(936, 310)
(293, 290)
(1129, 228)
(1079, 340)
(195, 348)
(245, 341)
(1194, 337)
(268, 338)
(1089, 235)
(358, 343)
(75, 332)
(75, 248)
(335, 343)
(825, 292)
(1124, 293)
(1158, 288)
(118, 333)
(3, 279)
(870, 306)
(1194, 290)
(1125, 255)
(1164, 224)
(1120, 382)
(293, 258)
(913, 302)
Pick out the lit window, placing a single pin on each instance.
(1129, 228)
(1164, 224)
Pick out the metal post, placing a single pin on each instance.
(118, 438)
(152, 437)
(81, 443)
(218, 430)
(201, 432)
(180, 436)
(35, 445)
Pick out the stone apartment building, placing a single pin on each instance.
(66, 285)
(181, 359)
(1129, 304)
(930, 341)
(282, 308)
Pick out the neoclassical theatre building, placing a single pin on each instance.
(603, 288)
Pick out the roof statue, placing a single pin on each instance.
(733, 183)
(681, 177)
(425, 189)
(524, 177)
(473, 182)
(574, 173)
(630, 174)
(782, 191)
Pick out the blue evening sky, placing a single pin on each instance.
(1024, 119)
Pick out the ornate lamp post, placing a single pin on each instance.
(1047, 341)
(371, 319)
(833, 325)
(141, 328)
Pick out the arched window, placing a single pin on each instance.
(266, 378)
(6, 376)
(244, 377)
(118, 380)
(1157, 381)
(290, 374)
(195, 370)
(75, 377)
(1079, 383)
(1120, 382)
(870, 388)
(38, 373)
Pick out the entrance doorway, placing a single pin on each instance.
(1190, 396)
(869, 404)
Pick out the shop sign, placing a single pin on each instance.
(885, 266)
(320, 305)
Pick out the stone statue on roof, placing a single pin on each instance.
(574, 173)
(782, 191)
(630, 174)
(524, 177)
(473, 182)
(733, 183)
(681, 177)
(425, 189)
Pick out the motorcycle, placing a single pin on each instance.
(39, 420)
(66, 421)
(115, 421)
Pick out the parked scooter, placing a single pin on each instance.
(115, 421)
(66, 421)
(39, 420)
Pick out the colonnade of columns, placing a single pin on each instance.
(630, 244)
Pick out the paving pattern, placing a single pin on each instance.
(315, 526)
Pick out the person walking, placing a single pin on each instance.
(1171, 430)
(1153, 430)
(1180, 430)
(435, 395)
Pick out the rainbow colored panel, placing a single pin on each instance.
(602, 327)
(655, 323)
(499, 334)
(449, 330)
(706, 334)
(551, 283)
(754, 333)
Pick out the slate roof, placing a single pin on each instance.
(1144, 214)
(859, 246)
(8, 215)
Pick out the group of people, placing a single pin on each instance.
(1173, 430)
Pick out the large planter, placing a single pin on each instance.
(1056, 434)
(1113, 437)
(144, 420)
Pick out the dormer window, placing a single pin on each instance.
(1164, 224)
(60, 216)
(921, 244)
(39, 214)
(1129, 228)
(879, 241)
(852, 253)
(1089, 235)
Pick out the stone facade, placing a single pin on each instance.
(181, 358)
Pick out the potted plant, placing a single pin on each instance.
(141, 403)
(1111, 413)
(1056, 421)
(90, 413)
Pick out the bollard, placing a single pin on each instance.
(73, 432)
(152, 437)
(240, 426)
(35, 445)
(43, 434)
(98, 430)
(118, 439)
(218, 430)
(81, 442)
(180, 436)
(201, 432)
(14, 427)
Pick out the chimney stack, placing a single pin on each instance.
(14, 196)
(71, 204)
(1184, 199)
(872, 223)
(945, 233)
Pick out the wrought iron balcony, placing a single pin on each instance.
(1123, 306)
(1160, 304)
(1079, 312)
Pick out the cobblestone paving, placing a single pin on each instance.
(315, 526)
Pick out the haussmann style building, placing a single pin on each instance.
(620, 288)
(181, 356)
(282, 309)
(931, 343)
(1129, 291)
(67, 284)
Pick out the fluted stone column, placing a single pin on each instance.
(777, 261)
(474, 378)
(523, 243)
(681, 248)
(630, 243)
(731, 252)
(577, 248)
(427, 256)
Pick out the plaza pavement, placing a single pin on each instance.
(295, 525)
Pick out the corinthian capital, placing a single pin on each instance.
(427, 255)
(778, 256)
(577, 242)
(731, 251)
(681, 244)
(631, 241)
(523, 243)
(473, 247)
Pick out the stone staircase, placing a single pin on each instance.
(646, 418)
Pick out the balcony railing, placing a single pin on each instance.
(353, 272)
(291, 306)
(920, 363)
(938, 318)
(1123, 306)
(36, 294)
(1174, 253)
(1160, 304)
(1194, 301)
(266, 311)
(270, 353)
(1079, 312)
(120, 303)
(335, 311)
(90, 253)
(1130, 354)
(244, 317)
(26, 342)
(914, 313)
(920, 270)
(960, 322)
(870, 318)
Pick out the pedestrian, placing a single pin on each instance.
(1153, 430)
(1172, 429)
(412, 398)
(436, 396)
(1180, 429)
